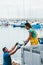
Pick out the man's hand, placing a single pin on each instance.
(18, 46)
(25, 43)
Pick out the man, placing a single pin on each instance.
(32, 35)
(7, 54)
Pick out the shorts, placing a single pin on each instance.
(34, 41)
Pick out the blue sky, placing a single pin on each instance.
(21, 8)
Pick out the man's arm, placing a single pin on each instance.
(12, 52)
(13, 47)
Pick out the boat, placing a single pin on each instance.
(36, 26)
(16, 24)
(19, 24)
(5, 23)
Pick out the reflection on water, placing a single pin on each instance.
(9, 36)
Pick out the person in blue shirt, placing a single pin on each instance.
(7, 54)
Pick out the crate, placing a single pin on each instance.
(37, 55)
(32, 55)
(26, 55)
